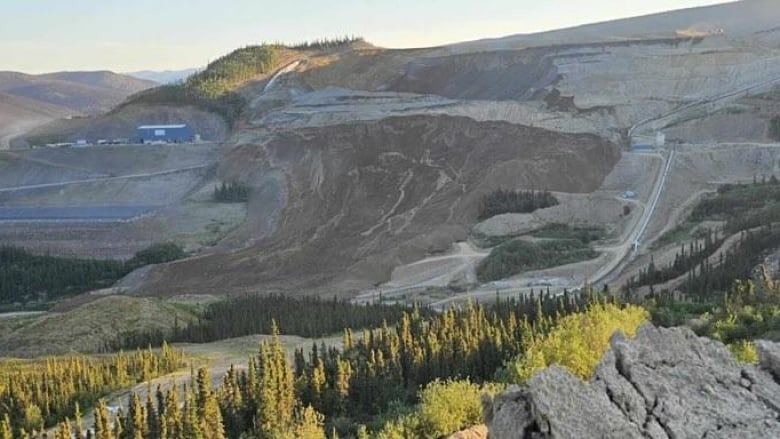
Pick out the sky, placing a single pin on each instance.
(39, 36)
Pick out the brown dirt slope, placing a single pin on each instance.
(363, 197)
(500, 75)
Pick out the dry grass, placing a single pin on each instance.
(86, 328)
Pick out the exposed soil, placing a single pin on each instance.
(387, 192)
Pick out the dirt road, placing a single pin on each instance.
(104, 179)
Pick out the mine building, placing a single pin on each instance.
(152, 134)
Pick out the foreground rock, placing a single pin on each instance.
(667, 383)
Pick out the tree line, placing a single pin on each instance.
(370, 385)
(256, 314)
(507, 201)
(709, 280)
(685, 260)
(750, 210)
(25, 277)
(214, 88)
(518, 256)
(327, 43)
(345, 391)
(39, 394)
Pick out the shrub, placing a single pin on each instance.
(158, 254)
(577, 342)
(446, 407)
(744, 352)
(450, 406)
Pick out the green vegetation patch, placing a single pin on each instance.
(584, 234)
(214, 89)
(258, 314)
(738, 200)
(680, 233)
(35, 280)
(38, 394)
(232, 192)
(518, 256)
(577, 342)
(505, 201)
(749, 311)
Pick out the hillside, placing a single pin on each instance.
(366, 166)
(82, 92)
(736, 19)
(17, 114)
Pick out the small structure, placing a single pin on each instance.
(660, 139)
(154, 134)
(642, 147)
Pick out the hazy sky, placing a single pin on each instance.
(126, 35)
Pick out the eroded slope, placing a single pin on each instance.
(361, 198)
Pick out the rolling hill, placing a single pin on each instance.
(164, 77)
(86, 93)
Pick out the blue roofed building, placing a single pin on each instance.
(150, 134)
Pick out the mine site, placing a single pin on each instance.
(285, 195)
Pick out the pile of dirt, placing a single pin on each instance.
(348, 203)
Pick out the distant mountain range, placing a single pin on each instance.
(86, 93)
(163, 77)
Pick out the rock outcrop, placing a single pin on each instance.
(665, 384)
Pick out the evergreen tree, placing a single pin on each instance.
(103, 422)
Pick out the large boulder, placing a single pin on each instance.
(665, 384)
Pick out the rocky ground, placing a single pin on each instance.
(666, 383)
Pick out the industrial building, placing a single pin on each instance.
(150, 134)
